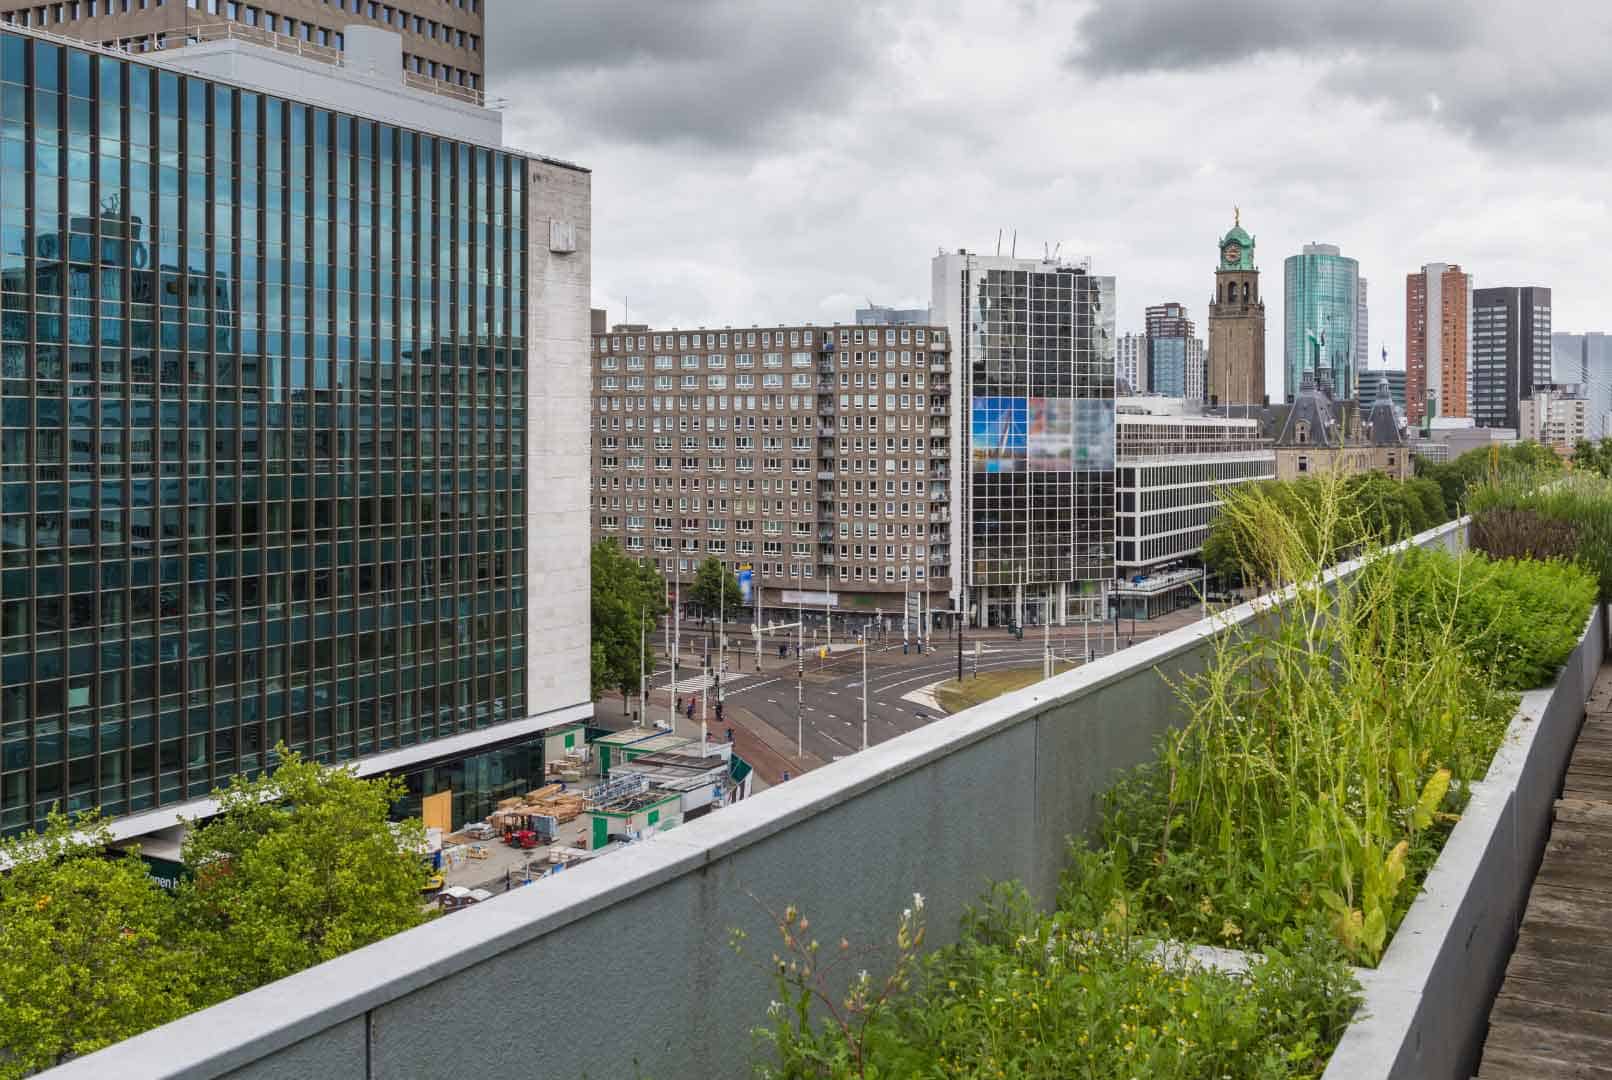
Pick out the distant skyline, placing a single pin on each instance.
(763, 159)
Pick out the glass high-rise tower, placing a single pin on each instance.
(266, 443)
(1321, 305)
(1033, 364)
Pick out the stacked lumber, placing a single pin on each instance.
(561, 807)
(542, 793)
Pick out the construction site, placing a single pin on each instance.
(624, 787)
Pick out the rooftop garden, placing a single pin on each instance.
(1290, 817)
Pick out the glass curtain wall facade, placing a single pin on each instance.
(1041, 433)
(1320, 306)
(261, 450)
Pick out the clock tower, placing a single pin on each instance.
(1236, 373)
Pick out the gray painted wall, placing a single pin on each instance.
(626, 960)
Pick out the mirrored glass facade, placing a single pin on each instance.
(1039, 355)
(262, 455)
(1321, 303)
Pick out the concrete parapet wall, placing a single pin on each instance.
(624, 964)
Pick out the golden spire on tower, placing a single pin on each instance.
(1237, 215)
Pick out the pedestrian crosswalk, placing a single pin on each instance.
(703, 681)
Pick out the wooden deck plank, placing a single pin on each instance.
(1564, 943)
(1587, 812)
(1564, 1034)
(1582, 785)
(1564, 986)
(1553, 1014)
(1548, 903)
(1502, 1063)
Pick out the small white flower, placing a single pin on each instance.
(774, 1008)
(917, 901)
(906, 914)
(862, 976)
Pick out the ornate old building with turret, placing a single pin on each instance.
(1236, 324)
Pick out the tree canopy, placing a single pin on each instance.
(1455, 478)
(1595, 457)
(716, 587)
(92, 950)
(298, 867)
(628, 596)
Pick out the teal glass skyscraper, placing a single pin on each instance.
(1320, 306)
(264, 440)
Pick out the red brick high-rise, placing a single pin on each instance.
(1438, 335)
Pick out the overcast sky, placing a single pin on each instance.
(761, 161)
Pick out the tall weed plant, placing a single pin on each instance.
(1323, 759)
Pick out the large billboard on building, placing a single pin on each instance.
(997, 433)
(1050, 442)
(1094, 428)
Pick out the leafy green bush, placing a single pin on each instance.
(1582, 500)
(1516, 619)
(1476, 468)
(1053, 996)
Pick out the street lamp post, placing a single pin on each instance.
(800, 683)
(864, 688)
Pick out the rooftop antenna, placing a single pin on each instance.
(1014, 251)
(999, 242)
(1056, 247)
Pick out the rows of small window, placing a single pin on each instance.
(744, 361)
(766, 339)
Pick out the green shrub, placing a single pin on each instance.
(1582, 500)
(1044, 997)
(1516, 619)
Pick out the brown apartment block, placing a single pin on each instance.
(442, 39)
(817, 456)
(1438, 329)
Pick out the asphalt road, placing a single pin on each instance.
(831, 691)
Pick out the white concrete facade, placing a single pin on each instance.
(559, 229)
(372, 90)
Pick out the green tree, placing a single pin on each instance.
(715, 586)
(1486, 465)
(300, 865)
(86, 948)
(628, 596)
(1593, 457)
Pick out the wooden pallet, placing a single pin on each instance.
(1553, 1016)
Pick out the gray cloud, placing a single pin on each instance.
(714, 73)
(1497, 72)
(1121, 36)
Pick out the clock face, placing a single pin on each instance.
(1233, 252)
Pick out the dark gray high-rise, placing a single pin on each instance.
(1511, 351)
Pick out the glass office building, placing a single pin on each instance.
(262, 461)
(1320, 304)
(1037, 353)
